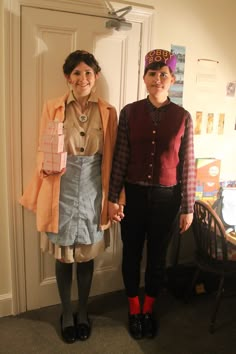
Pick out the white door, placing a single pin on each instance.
(47, 38)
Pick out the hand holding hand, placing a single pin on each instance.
(116, 211)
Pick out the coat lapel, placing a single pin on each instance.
(104, 110)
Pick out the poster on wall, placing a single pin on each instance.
(221, 123)
(198, 123)
(207, 75)
(230, 89)
(176, 91)
(209, 123)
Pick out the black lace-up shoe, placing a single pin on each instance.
(135, 326)
(150, 326)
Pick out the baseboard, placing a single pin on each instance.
(5, 305)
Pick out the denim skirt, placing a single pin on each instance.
(80, 202)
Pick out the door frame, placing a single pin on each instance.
(12, 51)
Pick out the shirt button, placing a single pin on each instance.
(81, 149)
(150, 165)
(154, 131)
(152, 153)
(153, 142)
(149, 176)
(82, 133)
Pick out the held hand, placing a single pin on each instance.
(185, 222)
(116, 211)
(121, 212)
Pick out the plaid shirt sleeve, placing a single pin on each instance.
(188, 177)
(120, 159)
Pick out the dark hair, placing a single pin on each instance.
(77, 57)
(156, 65)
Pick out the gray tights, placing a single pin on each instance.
(84, 274)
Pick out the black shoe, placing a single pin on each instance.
(149, 325)
(135, 326)
(68, 333)
(83, 330)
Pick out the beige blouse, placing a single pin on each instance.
(83, 138)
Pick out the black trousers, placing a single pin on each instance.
(149, 215)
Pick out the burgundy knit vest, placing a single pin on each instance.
(154, 157)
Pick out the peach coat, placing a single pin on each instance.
(42, 193)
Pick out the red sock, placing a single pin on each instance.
(148, 304)
(134, 305)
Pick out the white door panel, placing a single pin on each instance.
(47, 38)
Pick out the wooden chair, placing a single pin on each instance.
(214, 254)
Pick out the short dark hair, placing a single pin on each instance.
(156, 65)
(77, 57)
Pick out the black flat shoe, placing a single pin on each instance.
(68, 333)
(150, 326)
(135, 326)
(83, 330)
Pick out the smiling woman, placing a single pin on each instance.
(71, 203)
(82, 81)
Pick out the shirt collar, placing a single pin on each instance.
(154, 108)
(92, 98)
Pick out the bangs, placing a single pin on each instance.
(156, 66)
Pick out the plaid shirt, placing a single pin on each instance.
(186, 167)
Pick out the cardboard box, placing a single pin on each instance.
(52, 143)
(54, 128)
(54, 162)
(208, 178)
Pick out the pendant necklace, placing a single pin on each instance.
(83, 118)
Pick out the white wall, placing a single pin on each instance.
(206, 29)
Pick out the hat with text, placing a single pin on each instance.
(161, 55)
